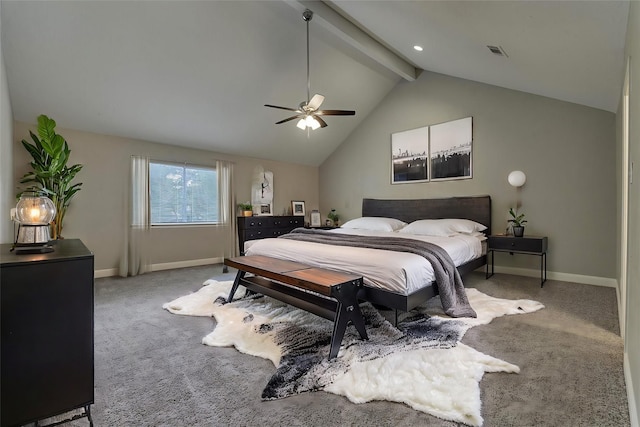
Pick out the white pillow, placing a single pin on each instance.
(375, 223)
(442, 227)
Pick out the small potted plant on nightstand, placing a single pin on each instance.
(334, 217)
(518, 222)
(246, 209)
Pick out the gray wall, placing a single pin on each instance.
(632, 338)
(7, 196)
(567, 151)
(97, 215)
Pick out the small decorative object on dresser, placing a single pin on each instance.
(246, 209)
(520, 245)
(333, 217)
(518, 222)
(297, 208)
(315, 218)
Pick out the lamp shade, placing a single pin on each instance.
(517, 178)
(35, 210)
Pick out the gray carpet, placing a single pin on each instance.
(151, 370)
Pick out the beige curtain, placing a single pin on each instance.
(135, 258)
(227, 208)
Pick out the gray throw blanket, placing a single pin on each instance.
(450, 286)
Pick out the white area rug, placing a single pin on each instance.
(422, 363)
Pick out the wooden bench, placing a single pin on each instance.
(335, 296)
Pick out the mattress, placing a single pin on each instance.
(399, 272)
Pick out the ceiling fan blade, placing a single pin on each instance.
(335, 113)
(323, 124)
(290, 118)
(315, 102)
(283, 108)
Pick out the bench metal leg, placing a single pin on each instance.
(347, 311)
(236, 283)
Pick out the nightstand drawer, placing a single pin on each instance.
(519, 244)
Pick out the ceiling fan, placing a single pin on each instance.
(308, 112)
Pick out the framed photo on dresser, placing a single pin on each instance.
(297, 208)
(265, 209)
(315, 218)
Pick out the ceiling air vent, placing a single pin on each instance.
(497, 50)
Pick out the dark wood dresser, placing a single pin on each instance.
(261, 227)
(46, 359)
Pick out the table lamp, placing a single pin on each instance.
(33, 214)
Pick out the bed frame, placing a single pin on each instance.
(475, 208)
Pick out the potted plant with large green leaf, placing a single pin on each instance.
(50, 174)
(517, 220)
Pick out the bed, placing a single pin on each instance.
(386, 283)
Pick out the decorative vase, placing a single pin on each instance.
(518, 231)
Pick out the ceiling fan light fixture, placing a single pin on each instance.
(308, 122)
(312, 123)
(311, 107)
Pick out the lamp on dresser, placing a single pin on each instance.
(34, 213)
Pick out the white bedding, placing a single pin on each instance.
(398, 272)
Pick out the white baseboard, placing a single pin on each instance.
(188, 263)
(633, 410)
(110, 272)
(565, 277)
(553, 275)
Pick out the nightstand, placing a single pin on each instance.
(530, 245)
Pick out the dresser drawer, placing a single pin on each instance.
(262, 227)
(518, 244)
(263, 233)
(284, 222)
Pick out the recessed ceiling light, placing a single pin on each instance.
(418, 48)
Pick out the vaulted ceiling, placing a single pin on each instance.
(197, 74)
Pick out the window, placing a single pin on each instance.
(182, 194)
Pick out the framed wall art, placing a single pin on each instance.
(433, 153)
(410, 155)
(450, 149)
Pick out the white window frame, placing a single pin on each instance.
(184, 166)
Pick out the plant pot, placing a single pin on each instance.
(247, 213)
(518, 231)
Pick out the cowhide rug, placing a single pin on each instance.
(421, 363)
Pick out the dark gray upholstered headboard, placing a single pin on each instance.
(476, 208)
